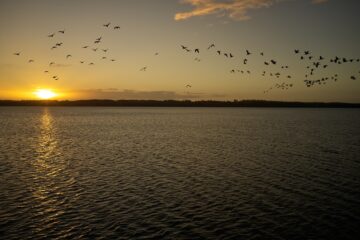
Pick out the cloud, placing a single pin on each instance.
(113, 93)
(234, 9)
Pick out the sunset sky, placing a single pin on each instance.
(274, 27)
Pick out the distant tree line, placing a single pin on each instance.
(177, 103)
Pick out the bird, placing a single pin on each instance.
(143, 69)
(296, 51)
(226, 55)
(232, 71)
(17, 53)
(94, 49)
(58, 44)
(69, 55)
(105, 50)
(353, 78)
(266, 63)
(46, 71)
(117, 27)
(245, 61)
(197, 50)
(31, 61)
(231, 56)
(52, 63)
(85, 46)
(218, 51)
(273, 62)
(62, 31)
(211, 46)
(248, 53)
(306, 52)
(82, 62)
(106, 25)
(113, 60)
(103, 58)
(188, 86)
(91, 63)
(321, 58)
(51, 35)
(53, 47)
(262, 54)
(97, 41)
(156, 54)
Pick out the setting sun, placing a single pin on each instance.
(45, 93)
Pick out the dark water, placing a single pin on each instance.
(179, 173)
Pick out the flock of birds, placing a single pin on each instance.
(313, 64)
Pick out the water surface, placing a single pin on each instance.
(179, 173)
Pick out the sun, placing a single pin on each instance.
(45, 93)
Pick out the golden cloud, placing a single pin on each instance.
(234, 9)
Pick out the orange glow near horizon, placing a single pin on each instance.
(45, 94)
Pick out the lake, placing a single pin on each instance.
(179, 173)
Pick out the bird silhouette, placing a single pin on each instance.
(143, 69)
(273, 62)
(211, 46)
(231, 56)
(69, 55)
(245, 61)
(248, 53)
(218, 51)
(82, 62)
(46, 71)
(91, 63)
(296, 51)
(106, 25)
(105, 50)
(51, 35)
(188, 86)
(306, 52)
(95, 49)
(62, 31)
(85, 46)
(113, 60)
(52, 63)
(17, 53)
(353, 78)
(197, 50)
(31, 61)
(117, 27)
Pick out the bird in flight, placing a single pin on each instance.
(117, 27)
(81, 62)
(94, 49)
(218, 51)
(296, 51)
(52, 63)
(69, 55)
(85, 46)
(62, 31)
(156, 53)
(105, 50)
(51, 35)
(106, 25)
(197, 50)
(113, 60)
(91, 63)
(211, 46)
(248, 53)
(17, 53)
(273, 62)
(188, 86)
(31, 61)
(46, 71)
(143, 69)
(103, 58)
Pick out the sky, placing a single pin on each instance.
(151, 34)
